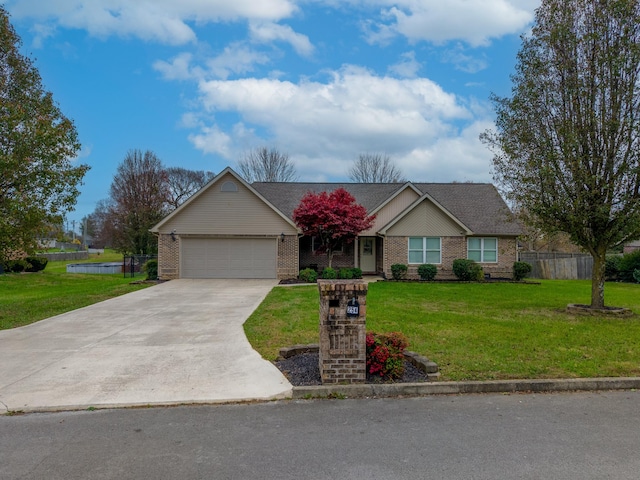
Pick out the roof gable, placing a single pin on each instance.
(230, 183)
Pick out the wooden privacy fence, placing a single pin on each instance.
(559, 266)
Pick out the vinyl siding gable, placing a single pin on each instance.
(220, 212)
(391, 210)
(425, 219)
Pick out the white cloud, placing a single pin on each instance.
(464, 62)
(212, 140)
(235, 59)
(324, 126)
(269, 32)
(407, 67)
(472, 21)
(179, 68)
(164, 21)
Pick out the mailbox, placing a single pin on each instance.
(353, 308)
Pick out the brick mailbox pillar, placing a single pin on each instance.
(343, 331)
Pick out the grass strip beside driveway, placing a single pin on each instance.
(484, 331)
(28, 297)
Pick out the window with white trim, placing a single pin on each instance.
(484, 250)
(425, 250)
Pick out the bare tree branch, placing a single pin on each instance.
(182, 183)
(375, 168)
(267, 165)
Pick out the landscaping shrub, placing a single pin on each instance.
(629, 263)
(467, 270)
(357, 272)
(308, 275)
(612, 267)
(385, 354)
(345, 273)
(37, 264)
(151, 269)
(398, 271)
(521, 270)
(16, 266)
(329, 273)
(427, 272)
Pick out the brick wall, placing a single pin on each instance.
(287, 262)
(397, 251)
(342, 338)
(168, 257)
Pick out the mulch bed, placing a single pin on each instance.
(303, 370)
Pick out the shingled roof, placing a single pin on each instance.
(479, 206)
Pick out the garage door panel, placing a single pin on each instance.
(228, 258)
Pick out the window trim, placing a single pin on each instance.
(424, 251)
(483, 249)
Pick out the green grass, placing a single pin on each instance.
(28, 297)
(477, 331)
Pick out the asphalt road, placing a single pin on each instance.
(518, 436)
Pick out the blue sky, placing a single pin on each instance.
(201, 82)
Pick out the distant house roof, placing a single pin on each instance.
(478, 206)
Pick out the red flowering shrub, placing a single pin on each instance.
(385, 354)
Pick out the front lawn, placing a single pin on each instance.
(28, 297)
(479, 331)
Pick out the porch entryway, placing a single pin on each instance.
(367, 252)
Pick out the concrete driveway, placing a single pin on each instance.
(178, 342)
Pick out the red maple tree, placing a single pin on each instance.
(334, 218)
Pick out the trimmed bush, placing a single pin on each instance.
(629, 263)
(151, 269)
(521, 270)
(37, 263)
(16, 266)
(427, 272)
(329, 273)
(345, 273)
(612, 267)
(398, 271)
(308, 275)
(467, 270)
(385, 354)
(357, 272)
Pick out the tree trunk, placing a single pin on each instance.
(597, 280)
(330, 256)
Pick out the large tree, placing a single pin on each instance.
(267, 165)
(567, 142)
(38, 178)
(182, 183)
(375, 168)
(334, 218)
(138, 193)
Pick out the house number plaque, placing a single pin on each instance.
(353, 308)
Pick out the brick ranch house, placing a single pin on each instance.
(232, 229)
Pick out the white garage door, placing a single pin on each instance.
(228, 258)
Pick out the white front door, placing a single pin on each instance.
(367, 254)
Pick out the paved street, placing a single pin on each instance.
(519, 436)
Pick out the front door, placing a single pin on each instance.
(368, 254)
